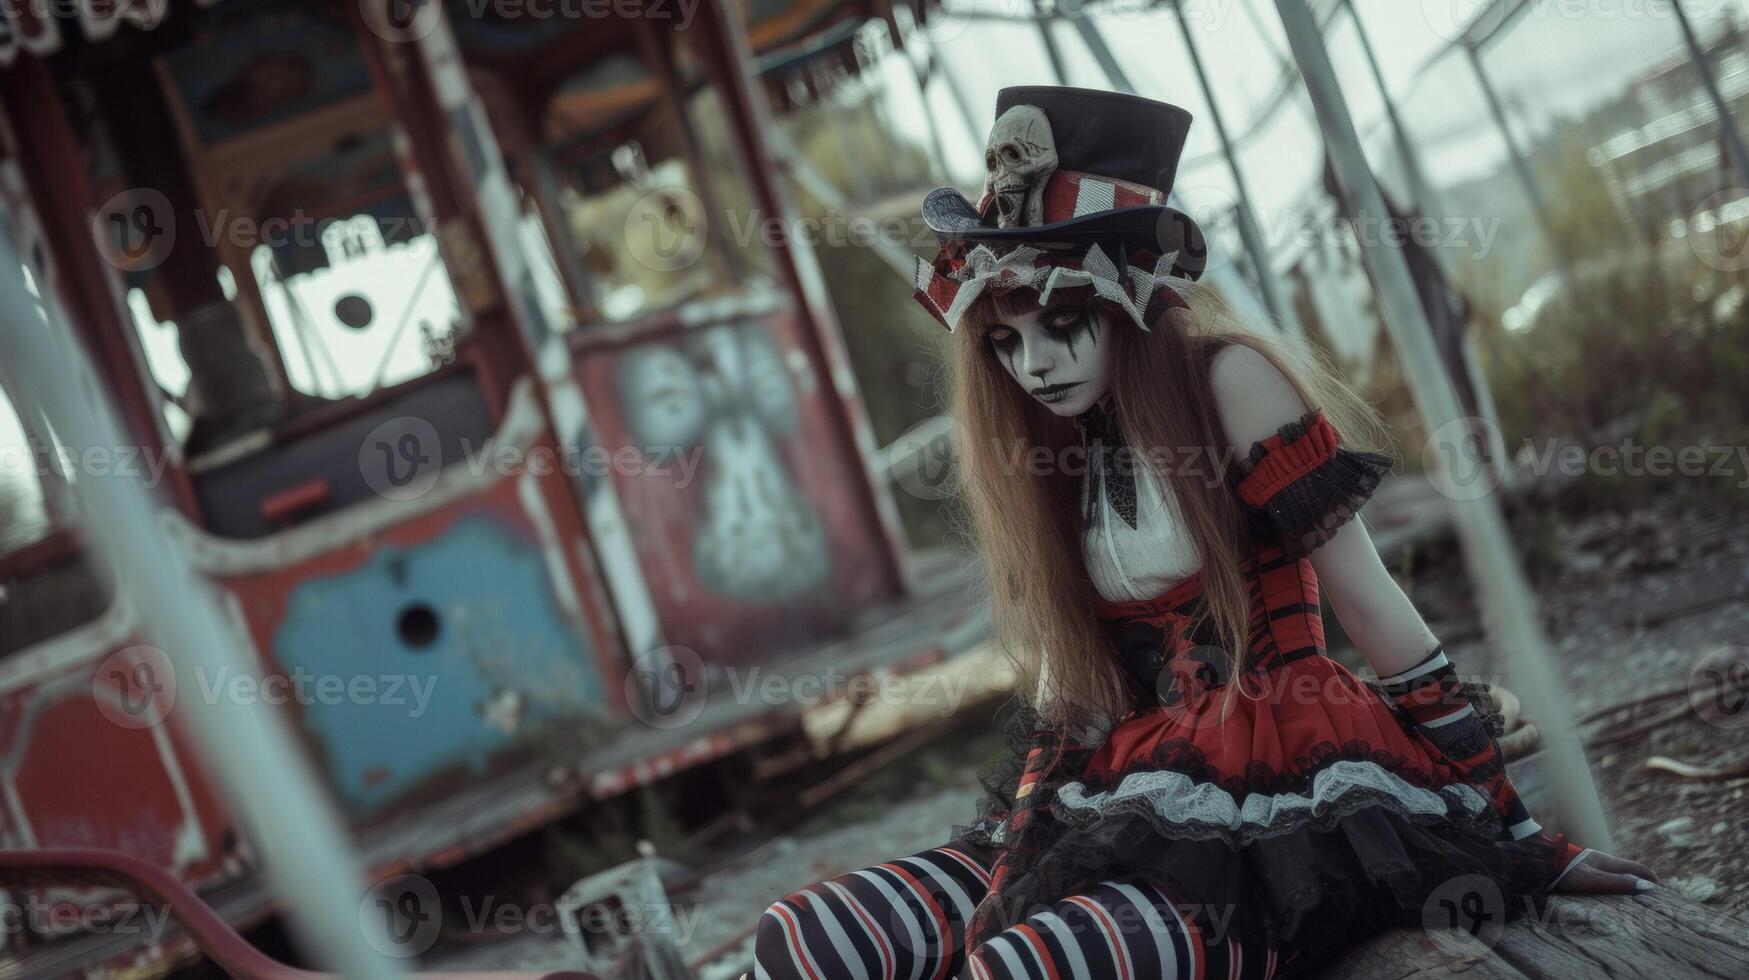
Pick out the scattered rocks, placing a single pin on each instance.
(1701, 888)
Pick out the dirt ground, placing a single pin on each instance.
(1634, 599)
(1632, 596)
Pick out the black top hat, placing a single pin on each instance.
(1075, 166)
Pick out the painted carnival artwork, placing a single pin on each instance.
(725, 398)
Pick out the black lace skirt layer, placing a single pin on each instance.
(1314, 860)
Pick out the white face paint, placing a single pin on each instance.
(1060, 354)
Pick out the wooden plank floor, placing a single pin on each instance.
(1661, 936)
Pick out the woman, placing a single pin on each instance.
(1160, 495)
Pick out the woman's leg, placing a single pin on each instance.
(1116, 929)
(903, 920)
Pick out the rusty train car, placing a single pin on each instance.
(495, 573)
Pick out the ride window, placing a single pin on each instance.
(282, 163)
(378, 310)
(648, 232)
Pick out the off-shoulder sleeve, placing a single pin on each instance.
(1302, 486)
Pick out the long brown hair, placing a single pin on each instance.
(1025, 504)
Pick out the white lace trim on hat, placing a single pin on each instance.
(1129, 288)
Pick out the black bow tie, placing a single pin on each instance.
(1111, 463)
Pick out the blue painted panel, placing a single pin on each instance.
(433, 657)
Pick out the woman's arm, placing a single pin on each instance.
(1254, 399)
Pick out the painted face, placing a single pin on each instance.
(1061, 355)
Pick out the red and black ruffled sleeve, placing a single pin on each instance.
(1302, 486)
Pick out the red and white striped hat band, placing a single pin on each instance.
(950, 285)
(1071, 194)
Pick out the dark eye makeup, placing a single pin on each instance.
(1001, 338)
(1064, 317)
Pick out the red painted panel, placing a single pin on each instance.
(742, 503)
(79, 778)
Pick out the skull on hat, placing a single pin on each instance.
(1020, 156)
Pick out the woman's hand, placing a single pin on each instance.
(1597, 873)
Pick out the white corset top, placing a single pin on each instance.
(1129, 563)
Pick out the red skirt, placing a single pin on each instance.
(1293, 807)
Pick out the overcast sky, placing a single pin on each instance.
(1560, 57)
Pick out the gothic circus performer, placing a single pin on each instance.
(1197, 790)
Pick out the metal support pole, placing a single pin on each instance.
(1425, 200)
(1507, 601)
(1052, 54)
(1420, 190)
(1727, 126)
(1520, 165)
(721, 44)
(978, 134)
(267, 780)
(1095, 42)
(920, 75)
(861, 188)
(549, 200)
(1268, 283)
